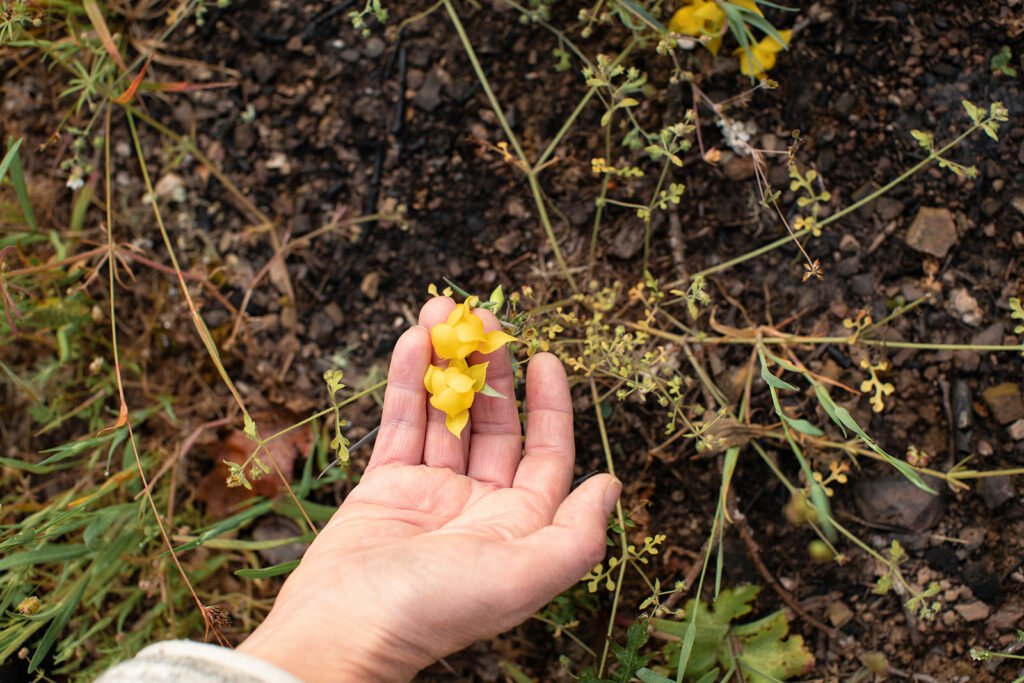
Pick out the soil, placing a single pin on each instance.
(323, 124)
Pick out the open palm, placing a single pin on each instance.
(444, 540)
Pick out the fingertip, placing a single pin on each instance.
(411, 354)
(545, 363)
(612, 491)
(435, 311)
(547, 386)
(489, 319)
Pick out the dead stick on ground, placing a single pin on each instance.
(740, 522)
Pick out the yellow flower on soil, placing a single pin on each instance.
(463, 333)
(453, 389)
(762, 56)
(705, 18)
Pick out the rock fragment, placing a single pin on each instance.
(1007, 617)
(965, 307)
(973, 611)
(1005, 402)
(997, 490)
(428, 97)
(932, 232)
(895, 501)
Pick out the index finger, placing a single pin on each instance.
(550, 452)
(403, 419)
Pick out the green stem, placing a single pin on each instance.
(528, 168)
(650, 209)
(849, 341)
(485, 84)
(725, 265)
(542, 211)
(314, 416)
(565, 128)
(600, 202)
(622, 526)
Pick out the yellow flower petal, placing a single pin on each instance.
(456, 423)
(714, 44)
(684, 22)
(452, 402)
(749, 5)
(433, 379)
(458, 381)
(445, 340)
(756, 62)
(478, 373)
(458, 314)
(711, 17)
(494, 340)
(763, 54)
(470, 328)
(769, 43)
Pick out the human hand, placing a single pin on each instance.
(445, 540)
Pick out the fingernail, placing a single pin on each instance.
(611, 496)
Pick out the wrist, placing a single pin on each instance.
(312, 647)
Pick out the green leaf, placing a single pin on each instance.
(18, 181)
(760, 647)
(317, 512)
(334, 384)
(641, 14)
(629, 657)
(990, 128)
(12, 153)
(803, 426)
(104, 519)
(497, 297)
(774, 381)
(46, 554)
(648, 676)
(829, 405)
(59, 622)
(709, 677)
(249, 427)
(710, 629)
(925, 140)
(458, 290)
(976, 113)
(263, 573)
(906, 470)
(515, 673)
(766, 652)
(224, 526)
(488, 390)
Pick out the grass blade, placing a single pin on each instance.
(59, 622)
(12, 154)
(276, 570)
(18, 181)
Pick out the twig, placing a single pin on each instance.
(740, 522)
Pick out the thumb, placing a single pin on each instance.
(561, 553)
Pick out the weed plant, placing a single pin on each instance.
(103, 552)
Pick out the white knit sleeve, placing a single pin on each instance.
(181, 661)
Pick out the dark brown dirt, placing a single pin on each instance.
(323, 123)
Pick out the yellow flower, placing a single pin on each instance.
(453, 389)
(463, 333)
(762, 56)
(705, 18)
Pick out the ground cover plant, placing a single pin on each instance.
(776, 248)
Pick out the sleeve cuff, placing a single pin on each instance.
(186, 660)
